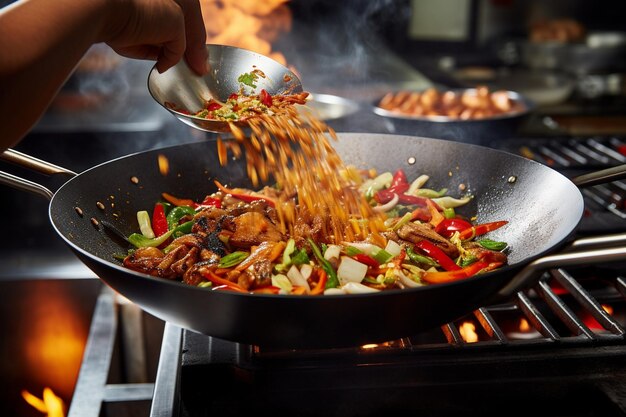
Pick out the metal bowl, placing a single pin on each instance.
(479, 131)
(180, 90)
(328, 107)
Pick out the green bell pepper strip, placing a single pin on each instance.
(140, 241)
(183, 229)
(420, 259)
(232, 259)
(174, 216)
(333, 280)
(492, 244)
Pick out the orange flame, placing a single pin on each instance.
(248, 24)
(523, 325)
(468, 332)
(50, 404)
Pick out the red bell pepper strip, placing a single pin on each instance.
(437, 254)
(265, 98)
(321, 282)
(447, 227)
(481, 229)
(366, 259)
(210, 202)
(159, 220)
(244, 195)
(213, 106)
(233, 96)
(399, 183)
(450, 276)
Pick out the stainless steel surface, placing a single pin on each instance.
(601, 177)
(89, 391)
(166, 385)
(181, 87)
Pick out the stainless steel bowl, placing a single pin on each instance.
(479, 131)
(179, 88)
(328, 107)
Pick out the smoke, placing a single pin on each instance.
(342, 40)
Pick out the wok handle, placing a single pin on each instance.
(600, 177)
(34, 164)
(532, 270)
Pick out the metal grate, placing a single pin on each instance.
(567, 153)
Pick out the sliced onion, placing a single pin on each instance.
(357, 288)
(334, 291)
(351, 270)
(417, 184)
(393, 248)
(295, 277)
(406, 280)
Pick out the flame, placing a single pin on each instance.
(50, 404)
(248, 24)
(523, 325)
(468, 332)
(608, 309)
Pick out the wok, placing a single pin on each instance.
(543, 208)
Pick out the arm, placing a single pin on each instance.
(41, 41)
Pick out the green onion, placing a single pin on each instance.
(351, 251)
(232, 259)
(140, 241)
(428, 193)
(382, 256)
(183, 229)
(449, 213)
(333, 280)
(492, 244)
(289, 249)
(205, 284)
(143, 218)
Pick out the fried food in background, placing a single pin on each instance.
(478, 103)
(557, 30)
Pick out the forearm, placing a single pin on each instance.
(35, 63)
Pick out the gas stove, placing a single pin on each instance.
(556, 348)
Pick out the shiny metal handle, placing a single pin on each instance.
(601, 177)
(34, 164)
(533, 269)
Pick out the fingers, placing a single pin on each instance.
(195, 35)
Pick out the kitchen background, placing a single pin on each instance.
(567, 57)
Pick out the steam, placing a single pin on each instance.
(342, 40)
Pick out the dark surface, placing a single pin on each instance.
(545, 217)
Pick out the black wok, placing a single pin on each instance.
(543, 208)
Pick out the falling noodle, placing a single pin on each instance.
(297, 150)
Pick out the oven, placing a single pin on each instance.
(556, 348)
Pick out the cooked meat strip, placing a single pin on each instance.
(415, 232)
(252, 229)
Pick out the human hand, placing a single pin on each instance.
(161, 30)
